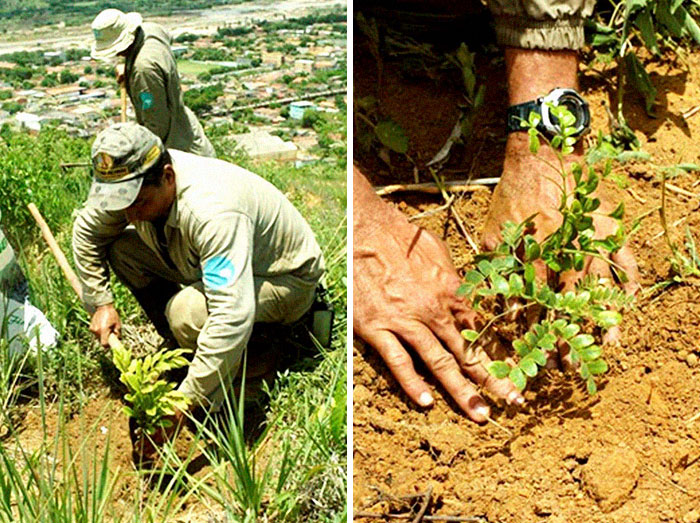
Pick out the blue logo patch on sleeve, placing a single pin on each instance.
(218, 272)
(146, 100)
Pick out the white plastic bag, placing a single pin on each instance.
(22, 324)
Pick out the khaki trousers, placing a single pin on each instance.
(278, 299)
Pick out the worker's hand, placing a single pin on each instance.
(529, 186)
(404, 288)
(119, 72)
(104, 322)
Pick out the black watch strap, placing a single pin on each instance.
(517, 113)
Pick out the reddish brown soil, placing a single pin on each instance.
(629, 454)
(87, 434)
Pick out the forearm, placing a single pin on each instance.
(90, 242)
(218, 356)
(370, 213)
(531, 73)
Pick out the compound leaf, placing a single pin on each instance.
(499, 284)
(591, 386)
(539, 357)
(607, 319)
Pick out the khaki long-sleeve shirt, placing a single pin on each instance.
(225, 227)
(153, 85)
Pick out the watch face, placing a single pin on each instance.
(574, 103)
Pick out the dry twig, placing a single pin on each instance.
(690, 112)
(433, 188)
(678, 190)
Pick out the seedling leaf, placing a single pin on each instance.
(518, 378)
(499, 369)
(581, 341)
(598, 367)
(528, 366)
(470, 335)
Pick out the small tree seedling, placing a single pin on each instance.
(152, 399)
(574, 319)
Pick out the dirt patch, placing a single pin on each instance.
(101, 427)
(630, 453)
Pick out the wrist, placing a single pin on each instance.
(370, 213)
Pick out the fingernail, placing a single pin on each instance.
(515, 398)
(482, 410)
(425, 399)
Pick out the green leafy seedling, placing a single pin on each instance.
(152, 399)
(575, 319)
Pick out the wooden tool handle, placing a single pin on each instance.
(56, 251)
(122, 88)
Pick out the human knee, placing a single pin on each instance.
(186, 313)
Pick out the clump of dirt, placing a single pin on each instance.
(629, 453)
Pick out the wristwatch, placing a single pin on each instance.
(549, 124)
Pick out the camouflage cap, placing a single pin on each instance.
(121, 154)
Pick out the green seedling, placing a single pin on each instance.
(573, 320)
(152, 399)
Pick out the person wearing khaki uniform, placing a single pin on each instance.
(208, 252)
(151, 78)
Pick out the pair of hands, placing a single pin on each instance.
(404, 283)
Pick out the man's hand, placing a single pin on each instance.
(104, 322)
(404, 287)
(530, 185)
(119, 73)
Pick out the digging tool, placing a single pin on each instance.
(63, 263)
(122, 88)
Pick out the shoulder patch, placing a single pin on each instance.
(219, 272)
(146, 100)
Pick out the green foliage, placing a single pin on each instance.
(186, 37)
(200, 99)
(67, 77)
(310, 117)
(12, 107)
(619, 30)
(6, 94)
(303, 21)
(222, 32)
(570, 319)
(152, 399)
(50, 80)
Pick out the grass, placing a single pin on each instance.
(295, 468)
(190, 67)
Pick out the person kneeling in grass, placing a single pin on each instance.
(206, 247)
